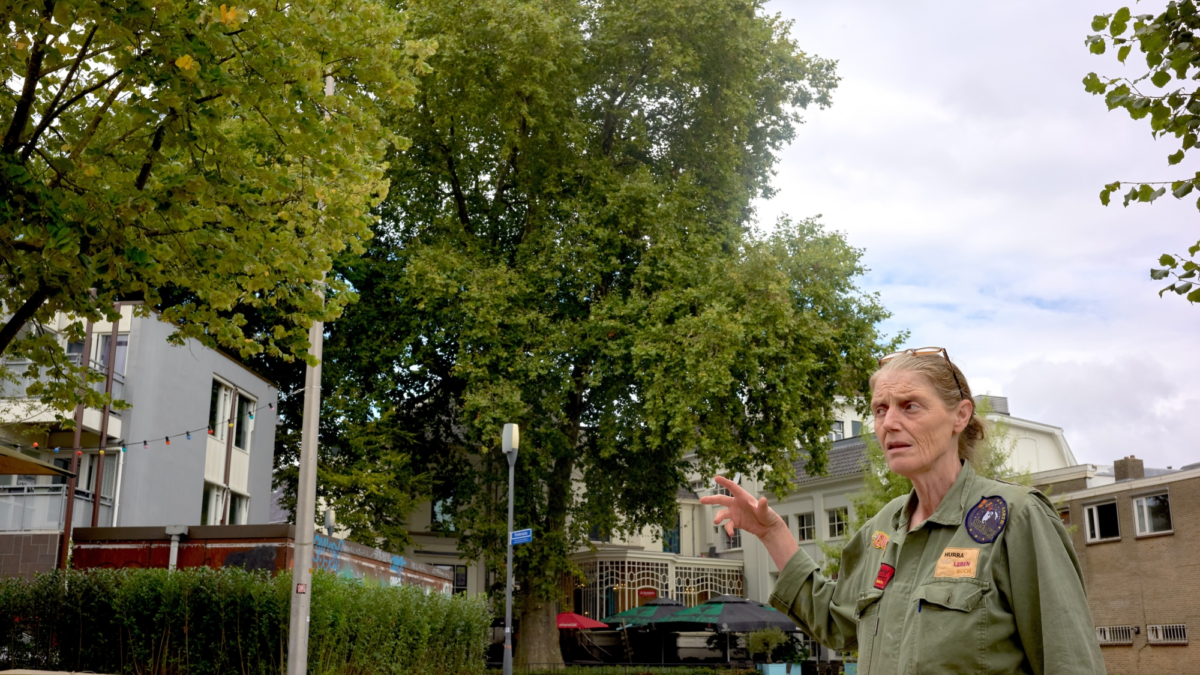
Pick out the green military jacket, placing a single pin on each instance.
(988, 584)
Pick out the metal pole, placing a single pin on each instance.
(64, 549)
(511, 435)
(306, 495)
(108, 383)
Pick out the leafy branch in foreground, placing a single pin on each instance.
(1172, 54)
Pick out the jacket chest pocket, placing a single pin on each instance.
(867, 614)
(949, 631)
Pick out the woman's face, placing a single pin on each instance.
(914, 428)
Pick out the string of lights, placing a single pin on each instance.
(165, 440)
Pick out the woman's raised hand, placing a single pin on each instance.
(742, 511)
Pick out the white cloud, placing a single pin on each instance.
(964, 155)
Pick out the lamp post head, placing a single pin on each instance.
(511, 439)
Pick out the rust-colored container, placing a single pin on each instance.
(253, 547)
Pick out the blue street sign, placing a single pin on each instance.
(520, 537)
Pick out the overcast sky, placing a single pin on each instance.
(964, 156)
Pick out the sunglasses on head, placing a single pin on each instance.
(929, 351)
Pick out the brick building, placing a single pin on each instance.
(1137, 534)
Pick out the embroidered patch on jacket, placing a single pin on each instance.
(879, 540)
(958, 562)
(886, 572)
(986, 520)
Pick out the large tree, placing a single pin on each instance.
(1164, 94)
(567, 246)
(185, 154)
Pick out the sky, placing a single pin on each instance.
(964, 156)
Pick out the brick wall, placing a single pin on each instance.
(23, 555)
(1139, 581)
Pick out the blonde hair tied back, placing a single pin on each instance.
(940, 374)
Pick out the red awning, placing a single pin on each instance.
(573, 620)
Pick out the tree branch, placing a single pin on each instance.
(22, 316)
(94, 125)
(24, 107)
(155, 146)
(46, 116)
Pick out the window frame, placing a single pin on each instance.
(1114, 636)
(842, 523)
(1138, 505)
(1090, 511)
(810, 526)
(838, 431)
(225, 396)
(1155, 634)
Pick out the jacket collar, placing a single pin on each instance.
(950, 511)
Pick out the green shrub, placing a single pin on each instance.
(209, 622)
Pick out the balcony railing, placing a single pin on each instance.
(32, 508)
(17, 389)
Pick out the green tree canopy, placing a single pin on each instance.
(566, 245)
(185, 154)
(1166, 95)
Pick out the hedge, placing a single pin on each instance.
(207, 622)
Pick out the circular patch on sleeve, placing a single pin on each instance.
(986, 520)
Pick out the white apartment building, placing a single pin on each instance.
(176, 393)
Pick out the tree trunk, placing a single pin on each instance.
(537, 646)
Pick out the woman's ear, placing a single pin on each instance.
(963, 415)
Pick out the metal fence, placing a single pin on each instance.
(34, 508)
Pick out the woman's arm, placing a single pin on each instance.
(801, 591)
(1045, 589)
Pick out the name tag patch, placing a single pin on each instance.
(957, 563)
(879, 540)
(886, 572)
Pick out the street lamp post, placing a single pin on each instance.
(512, 437)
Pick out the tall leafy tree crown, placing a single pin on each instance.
(567, 246)
(178, 153)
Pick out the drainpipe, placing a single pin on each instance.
(117, 493)
(64, 549)
(176, 531)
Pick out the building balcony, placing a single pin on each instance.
(23, 409)
(40, 508)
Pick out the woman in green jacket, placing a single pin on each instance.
(963, 575)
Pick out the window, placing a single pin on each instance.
(239, 509)
(1065, 516)
(731, 542)
(671, 538)
(1102, 522)
(1114, 635)
(223, 397)
(838, 520)
(443, 515)
(839, 431)
(721, 490)
(856, 428)
(1167, 634)
(806, 527)
(75, 352)
(1152, 514)
(459, 575)
(211, 504)
(595, 535)
(119, 360)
